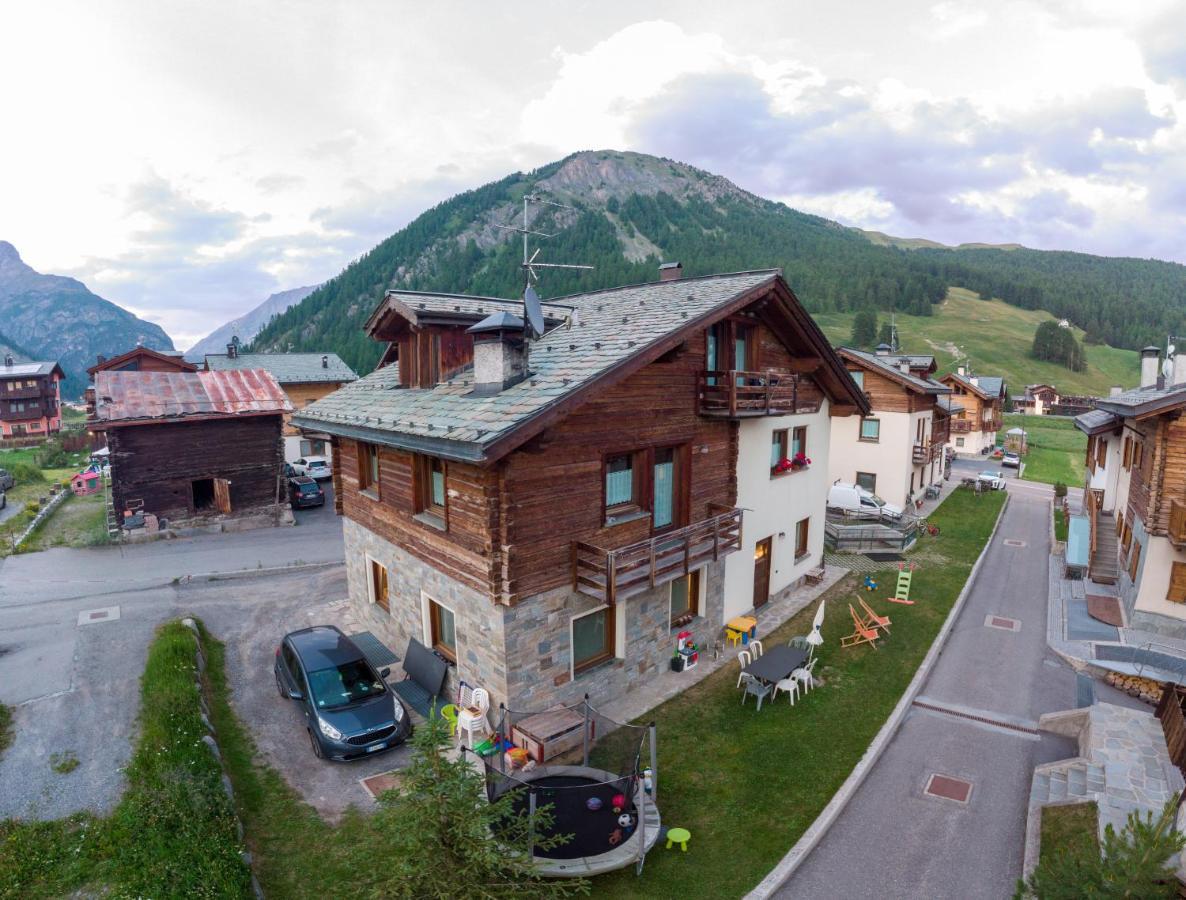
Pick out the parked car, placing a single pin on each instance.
(314, 466)
(992, 480)
(304, 491)
(349, 710)
(1011, 459)
(6, 480)
(856, 501)
(3, 500)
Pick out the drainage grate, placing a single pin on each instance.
(1001, 622)
(94, 616)
(960, 714)
(1013, 542)
(948, 788)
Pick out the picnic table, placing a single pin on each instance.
(776, 664)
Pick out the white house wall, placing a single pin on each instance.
(773, 506)
(890, 458)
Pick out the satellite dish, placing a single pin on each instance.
(532, 311)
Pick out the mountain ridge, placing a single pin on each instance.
(248, 325)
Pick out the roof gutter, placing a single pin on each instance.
(445, 448)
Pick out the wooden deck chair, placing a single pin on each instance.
(902, 594)
(861, 634)
(872, 620)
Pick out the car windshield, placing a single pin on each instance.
(988, 474)
(344, 684)
(309, 489)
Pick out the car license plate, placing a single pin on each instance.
(377, 747)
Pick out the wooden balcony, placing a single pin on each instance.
(8, 392)
(615, 575)
(738, 395)
(991, 425)
(1177, 524)
(921, 453)
(961, 426)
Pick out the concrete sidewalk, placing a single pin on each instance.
(974, 720)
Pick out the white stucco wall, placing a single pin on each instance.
(974, 442)
(1153, 578)
(774, 504)
(890, 458)
(292, 448)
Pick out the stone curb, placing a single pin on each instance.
(256, 573)
(212, 743)
(794, 857)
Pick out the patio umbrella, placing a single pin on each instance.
(815, 639)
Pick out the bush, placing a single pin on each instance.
(26, 473)
(33, 507)
(53, 456)
(1060, 489)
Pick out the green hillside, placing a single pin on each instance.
(995, 338)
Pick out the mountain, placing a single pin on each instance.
(630, 211)
(55, 318)
(248, 325)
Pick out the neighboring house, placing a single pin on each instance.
(195, 448)
(304, 377)
(30, 399)
(982, 397)
(898, 448)
(1136, 497)
(544, 512)
(1037, 400)
(142, 359)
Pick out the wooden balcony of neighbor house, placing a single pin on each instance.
(1177, 524)
(921, 453)
(614, 575)
(739, 394)
(940, 434)
(8, 392)
(991, 425)
(961, 426)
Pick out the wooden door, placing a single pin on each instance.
(762, 572)
(222, 495)
(379, 586)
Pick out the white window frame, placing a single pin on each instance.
(371, 562)
(698, 600)
(426, 621)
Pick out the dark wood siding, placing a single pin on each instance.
(157, 464)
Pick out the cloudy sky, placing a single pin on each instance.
(186, 159)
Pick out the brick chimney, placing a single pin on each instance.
(670, 271)
(500, 353)
(1149, 367)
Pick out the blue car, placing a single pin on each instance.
(349, 710)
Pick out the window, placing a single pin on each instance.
(685, 598)
(621, 487)
(313, 448)
(368, 469)
(1119, 524)
(1135, 562)
(377, 582)
(203, 493)
(1177, 591)
(868, 481)
(871, 430)
(858, 378)
(592, 639)
(1126, 539)
(959, 441)
(779, 446)
(429, 478)
(663, 479)
(442, 630)
(801, 534)
(799, 441)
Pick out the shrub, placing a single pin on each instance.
(33, 507)
(26, 473)
(1060, 489)
(52, 455)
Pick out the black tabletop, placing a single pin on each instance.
(777, 663)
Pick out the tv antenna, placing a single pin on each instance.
(533, 314)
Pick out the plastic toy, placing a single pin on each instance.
(615, 837)
(625, 820)
(870, 584)
(618, 803)
(648, 781)
(593, 804)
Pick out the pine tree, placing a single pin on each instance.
(864, 328)
(438, 837)
(886, 334)
(1138, 863)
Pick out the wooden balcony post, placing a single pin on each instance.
(611, 578)
(652, 549)
(732, 393)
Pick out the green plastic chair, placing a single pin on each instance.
(449, 714)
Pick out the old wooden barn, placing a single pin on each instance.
(194, 448)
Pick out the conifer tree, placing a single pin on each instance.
(864, 328)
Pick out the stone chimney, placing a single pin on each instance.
(232, 349)
(961, 371)
(8, 360)
(882, 350)
(904, 365)
(1115, 390)
(500, 353)
(325, 362)
(102, 359)
(670, 271)
(1149, 367)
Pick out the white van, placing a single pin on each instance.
(856, 501)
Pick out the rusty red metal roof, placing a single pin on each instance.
(158, 396)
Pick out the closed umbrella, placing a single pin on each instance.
(815, 639)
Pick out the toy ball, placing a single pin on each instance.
(593, 804)
(619, 802)
(625, 820)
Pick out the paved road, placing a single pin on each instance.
(892, 840)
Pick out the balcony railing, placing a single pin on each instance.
(737, 394)
(961, 426)
(991, 425)
(1177, 530)
(7, 392)
(921, 453)
(615, 575)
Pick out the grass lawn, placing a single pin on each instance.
(1065, 827)
(1060, 525)
(996, 337)
(172, 834)
(78, 522)
(1057, 449)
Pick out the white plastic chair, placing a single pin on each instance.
(743, 659)
(790, 685)
(803, 675)
(755, 648)
(469, 724)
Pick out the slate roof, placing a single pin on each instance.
(29, 368)
(286, 368)
(436, 305)
(1143, 401)
(128, 397)
(989, 385)
(950, 404)
(610, 327)
(1096, 420)
(890, 365)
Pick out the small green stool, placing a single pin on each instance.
(679, 836)
(449, 714)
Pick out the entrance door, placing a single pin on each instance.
(222, 495)
(762, 572)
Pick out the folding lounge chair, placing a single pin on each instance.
(861, 634)
(872, 620)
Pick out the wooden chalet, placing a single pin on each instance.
(142, 359)
(194, 448)
(30, 399)
(541, 511)
(982, 397)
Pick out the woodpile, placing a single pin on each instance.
(1145, 689)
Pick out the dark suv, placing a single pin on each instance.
(304, 491)
(349, 710)
(7, 482)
